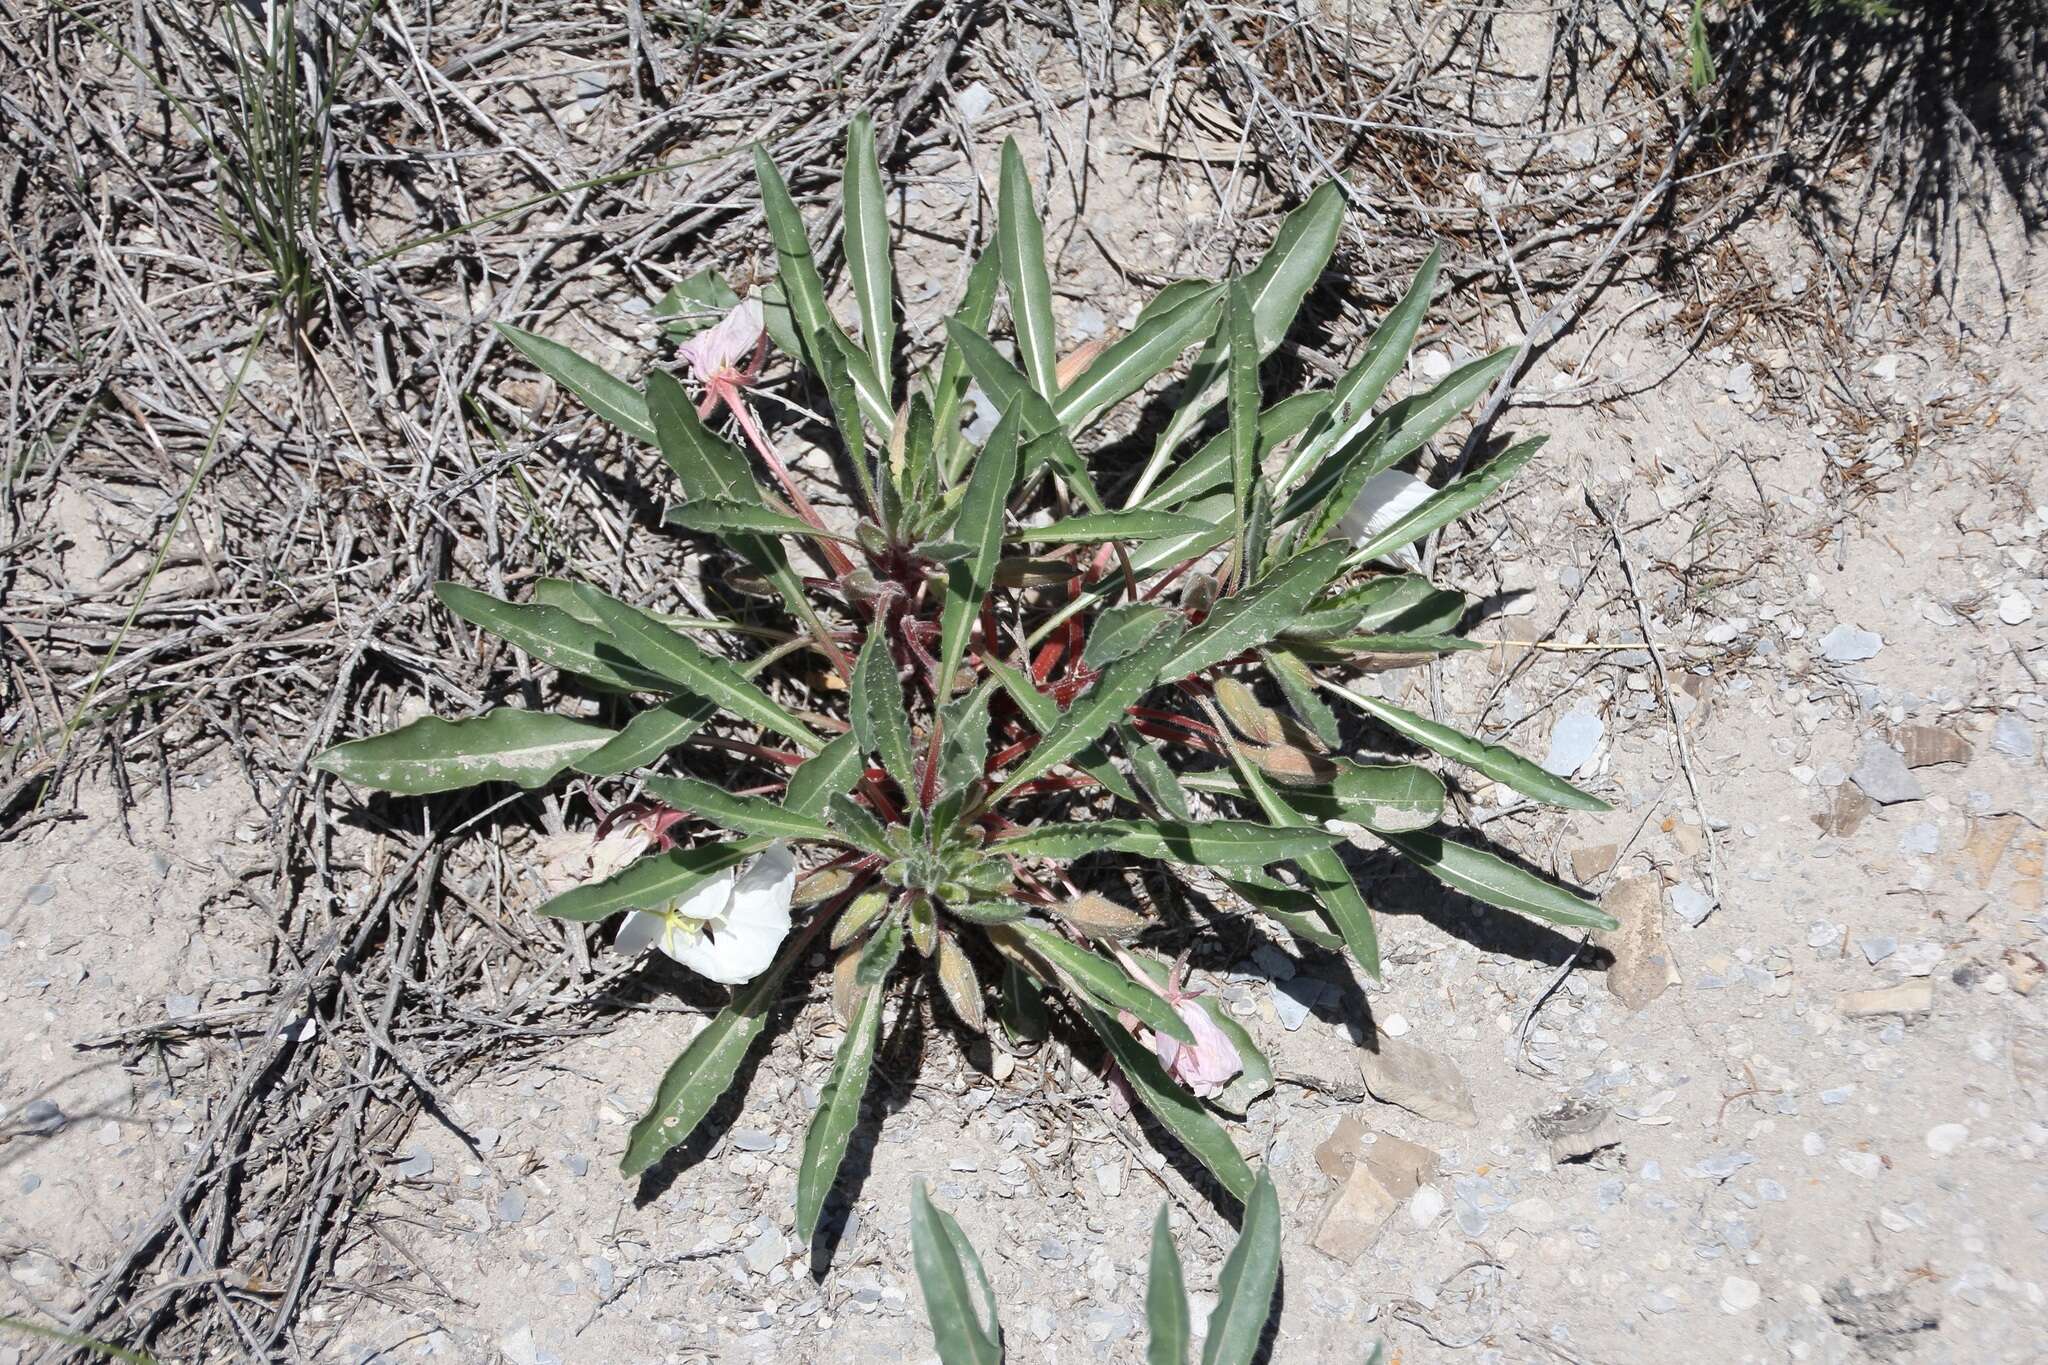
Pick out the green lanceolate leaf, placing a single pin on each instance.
(1121, 630)
(964, 1326)
(878, 956)
(684, 663)
(434, 755)
(1093, 712)
(551, 635)
(706, 465)
(649, 883)
(802, 289)
(751, 815)
(1501, 764)
(722, 516)
(1044, 713)
(1296, 911)
(1098, 978)
(1171, 296)
(1251, 617)
(1396, 797)
(999, 379)
(838, 1111)
(1279, 283)
(839, 362)
(1391, 647)
(879, 720)
(1210, 843)
(1209, 467)
(1020, 1006)
(1135, 359)
(867, 246)
(830, 772)
(1298, 684)
(1154, 774)
(1451, 501)
(1132, 525)
(1244, 1288)
(980, 526)
(1404, 604)
(1168, 1330)
(603, 392)
(649, 735)
(1395, 434)
(704, 1071)
(1323, 869)
(1487, 877)
(1179, 1112)
(1243, 409)
(951, 386)
(856, 823)
(1353, 395)
(1021, 238)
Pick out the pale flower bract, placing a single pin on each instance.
(728, 928)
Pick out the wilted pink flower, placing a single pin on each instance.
(1207, 1066)
(729, 354)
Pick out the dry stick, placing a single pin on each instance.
(1628, 573)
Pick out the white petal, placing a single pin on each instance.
(710, 899)
(741, 946)
(639, 932)
(1387, 497)
(727, 346)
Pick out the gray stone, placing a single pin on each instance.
(511, 1206)
(2010, 736)
(39, 1118)
(1294, 998)
(1876, 950)
(1882, 775)
(753, 1140)
(1691, 904)
(1922, 838)
(417, 1166)
(1846, 644)
(1402, 1073)
(181, 1006)
(1574, 740)
(767, 1251)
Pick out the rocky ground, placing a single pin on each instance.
(1784, 609)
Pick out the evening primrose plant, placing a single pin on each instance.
(1018, 674)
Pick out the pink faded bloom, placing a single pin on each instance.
(727, 353)
(1207, 1066)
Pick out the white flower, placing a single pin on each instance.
(1387, 497)
(729, 927)
(726, 350)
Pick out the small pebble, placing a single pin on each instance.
(1945, 1138)
(1846, 644)
(1395, 1026)
(2014, 609)
(1876, 950)
(1425, 1206)
(1869, 1165)
(1691, 904)
(39, 1118)
(1739, 1294)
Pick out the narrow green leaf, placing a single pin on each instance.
(682, 661)
(1243, 409)
(1136, 358)
(839, 363)
(1254, 615)
(721, 516)
(1021, 238)
(652, 882)
(867, 246)
(551, 635)
(704, 1071)
(1392, 798)
(1134, 524)
(1099, 979)
(1210, 843)
(1487, 877)
(1392, 436)
(857, 823)
(1298, 685)
(999, 379)
(434, 755)
(876, 708)
(1298, 912)
(1209, 467)
(1244, 1288)
(603, 392)
(980, 526)
(951, 386)
(1092, 713)
(1501, 764)
(705, 463)
(1281, 280)
(649, 735)
(963, 1332)
(1020, 1006)
(749, 815)
(1400, 603)
(1323, 869)
(1452, 501)
(1044, 713)
(1168, 1329)
(1154, 774)
(1171, 296)
(1122, 630)
(838, 1111)
(878, 956)
(1353, 396)
(1179, 1112)
(830, 772)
